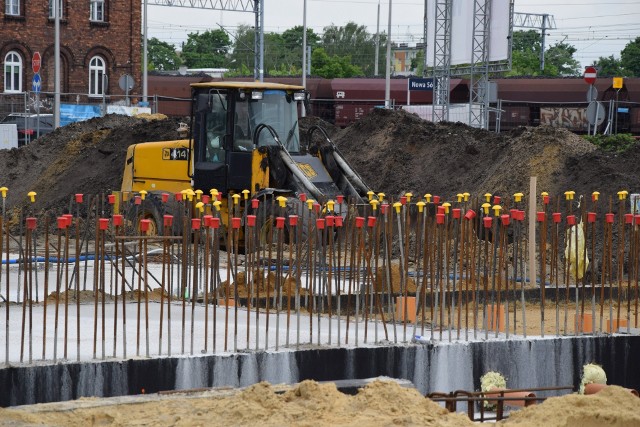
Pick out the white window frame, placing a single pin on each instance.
(13, 65)
(96, 12)
(12, 7)
(60, 9)
(97, 69)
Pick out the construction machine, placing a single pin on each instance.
(244, 143)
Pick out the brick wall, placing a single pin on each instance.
(117, 40)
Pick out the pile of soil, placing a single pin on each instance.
(85, 157)
(307, 404)
(613, 406)
(396, 151)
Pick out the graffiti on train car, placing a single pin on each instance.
(572, 118)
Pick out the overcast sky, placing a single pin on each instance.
(595, 27)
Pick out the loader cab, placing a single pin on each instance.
(226, 116)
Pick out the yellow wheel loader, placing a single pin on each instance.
(244, 143)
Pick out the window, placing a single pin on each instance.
(60, 9)
(97, 10)
(97, 76)
(13, 72)
(12, 7)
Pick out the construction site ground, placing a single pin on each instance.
(394, 152)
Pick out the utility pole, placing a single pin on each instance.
(304, 54)
(387, 81)
(538, 21)
(56, 65)
(145, 70)
(375, 72)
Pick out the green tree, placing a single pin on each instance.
(162, 55)
(609, 66)
(560, 59)
(630, 58)
(353, 40)
(206, 50)
(525, 57)
(334, 66)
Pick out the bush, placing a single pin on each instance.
(618, 143)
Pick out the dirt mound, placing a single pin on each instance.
(395, 151)
(613, 406)
(85, 157)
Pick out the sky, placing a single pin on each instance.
(597, 28)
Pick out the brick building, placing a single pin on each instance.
(97, 37)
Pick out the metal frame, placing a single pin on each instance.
(254, 6)
(442, 61)
(479, 77)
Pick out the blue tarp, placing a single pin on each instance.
(70, 113)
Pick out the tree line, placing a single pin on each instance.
(349, 51)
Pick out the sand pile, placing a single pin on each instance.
(307, 404)
(613, 406)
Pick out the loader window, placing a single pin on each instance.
(241, 133)
(216, 129)
(277, 109)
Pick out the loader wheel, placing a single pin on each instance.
(150, 209)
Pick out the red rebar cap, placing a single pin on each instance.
(514, 213)
(636, 219)
(137, 200)
(79, 197)
(165, 197)
(206, 220)
(571, 219)
(506, 219)
(520, 215)
(340, 198)
(457, 212)
(436, 199)
(591, 217)
(104, 223)
(69, 219)
(557, 217)
(384, 208)
(178, 197)
(546, 199)
(117, 220)
(403, 200)
(316, 207)
(359, 221)
(168, 220)
(497, 200)
(470, 214)
(441, 210)
(31, 223)
(235, 222)
(338, 220)
(487, 221)
(320, 223)
(144, 225)
(330, 220)
(302, 197)
(251, 221)
(371, 221)
(280, 222)
(62, 222)
(541, 216)
(628, 218)
(215, 222)
(440, 218)
(111, 198)
(609, 218)
(205, 199)
(293, 220)
(196, 223)
(255, 203)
